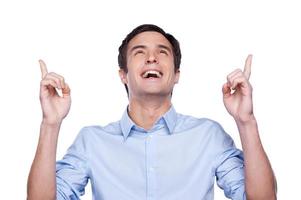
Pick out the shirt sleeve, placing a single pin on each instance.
(229, 169)
(72, 171)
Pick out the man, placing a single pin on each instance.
(152, 152)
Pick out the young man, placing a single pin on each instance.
(152, 152)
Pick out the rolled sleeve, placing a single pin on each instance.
(72, 172)
(229, 167)
(230, 174)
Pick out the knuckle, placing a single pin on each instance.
(49, 75)
(229, 77)
(53, 74)
(43, 81)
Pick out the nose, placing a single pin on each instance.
(151, 58)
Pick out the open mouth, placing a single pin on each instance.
(152, 74)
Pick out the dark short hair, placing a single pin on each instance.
(122, 56)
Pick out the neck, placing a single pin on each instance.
(145, 112)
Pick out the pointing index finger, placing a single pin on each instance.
(43, 68)
(247, 69)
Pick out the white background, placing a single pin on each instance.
(79, 39)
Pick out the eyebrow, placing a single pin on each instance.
(137, 47)
(162, 46)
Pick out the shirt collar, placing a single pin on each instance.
(170, 118)
(126, 124)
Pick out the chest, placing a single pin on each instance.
(153, 163)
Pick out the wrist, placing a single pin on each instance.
(245, 121)
(51, 124)
(248, 131)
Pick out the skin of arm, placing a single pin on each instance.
(42, 179)
(260, 183)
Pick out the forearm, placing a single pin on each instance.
(42, 179)
(259, 178)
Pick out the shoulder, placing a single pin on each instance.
(204, 128)
(112, 128)
(191, 122)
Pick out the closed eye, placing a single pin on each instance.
(163, 52)
(138, 52)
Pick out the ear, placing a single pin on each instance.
(123, 77)
(177, 76)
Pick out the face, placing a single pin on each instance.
(150, 64)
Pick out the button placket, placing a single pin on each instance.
(150, 167)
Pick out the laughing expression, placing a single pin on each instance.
(150, 65)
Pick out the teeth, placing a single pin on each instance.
(152, 72)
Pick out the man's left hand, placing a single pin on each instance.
(237, 93)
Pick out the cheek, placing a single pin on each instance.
(132, 77)
(137, 59)
(173, 78)
(166, 60)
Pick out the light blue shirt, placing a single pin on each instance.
(179, 158)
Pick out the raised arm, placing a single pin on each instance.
(237, 95)
(42, 176)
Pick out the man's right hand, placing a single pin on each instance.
(54, 107)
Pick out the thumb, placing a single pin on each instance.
(226, 90)
(66, 90)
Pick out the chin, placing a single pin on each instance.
(158, 93)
